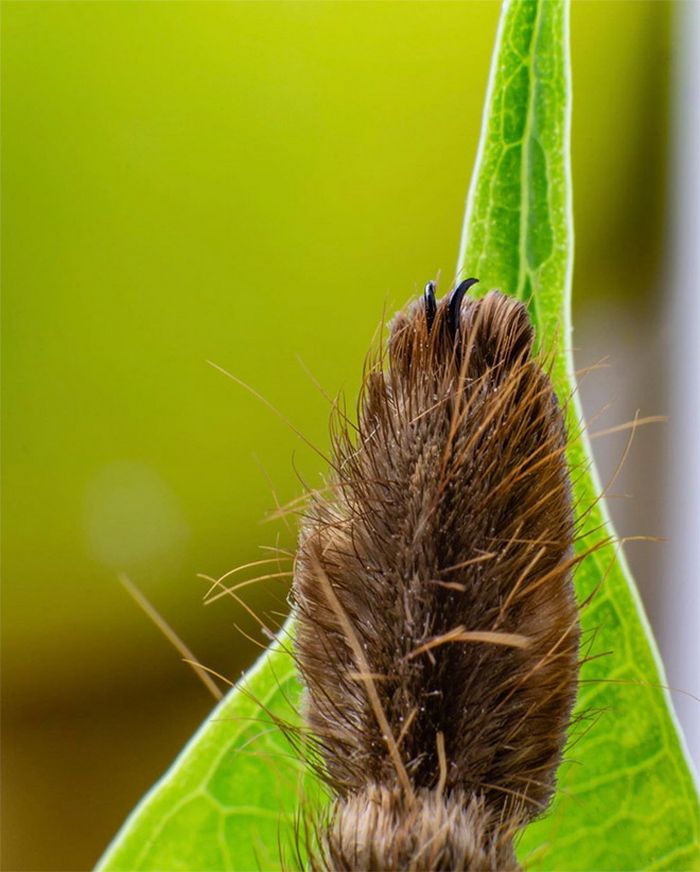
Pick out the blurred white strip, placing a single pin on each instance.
(680, 635)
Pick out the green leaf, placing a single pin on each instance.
(229, 800)
(626, 799)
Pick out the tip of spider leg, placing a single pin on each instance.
(455, 304)
(430, 304)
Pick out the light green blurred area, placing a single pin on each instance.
(250, 184)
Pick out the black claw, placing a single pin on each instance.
(430, 304)
(455, 304)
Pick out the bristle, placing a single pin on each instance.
(437, 628)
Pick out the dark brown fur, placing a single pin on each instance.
(449, 515)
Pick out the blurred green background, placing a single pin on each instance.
(251, 184)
